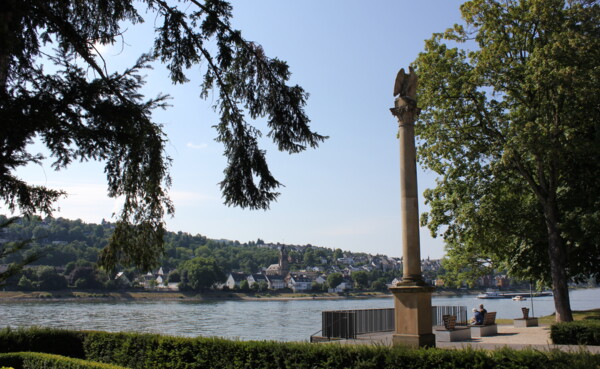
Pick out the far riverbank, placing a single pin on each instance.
(66, 295)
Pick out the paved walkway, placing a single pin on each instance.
(537, 338)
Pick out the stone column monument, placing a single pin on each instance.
(412, 296)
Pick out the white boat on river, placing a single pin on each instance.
(509, 295)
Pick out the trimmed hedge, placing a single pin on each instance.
(138, 351)
(48, 340)
(143, 351)
(37, 360)
(581, 332)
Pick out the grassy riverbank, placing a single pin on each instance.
(593, 314)
(173, 295)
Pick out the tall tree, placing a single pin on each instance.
(360, 279)
(202, 273)
(512, 129)
(55, 87)
(334, 279)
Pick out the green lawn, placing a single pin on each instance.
(550, 319)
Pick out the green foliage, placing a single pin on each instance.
(361, 279)
(174, 276)
(13, 250)
(134, 351)
(581, 332)
(202, 273)
(47, 92)
(262, 286)
(318, 287)
(334, 279)
(44, 278)
(87, 277)
(509, 123)
(379, 284)
(75, 245)
(52, 341)
(465, 267)
(36, 360)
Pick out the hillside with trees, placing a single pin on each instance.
(68, 252)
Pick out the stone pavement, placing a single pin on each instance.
(537, 338)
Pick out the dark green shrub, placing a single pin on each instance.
(154, 351)
(143, 351)
(581, 332)
(36, 360)
(48, 340)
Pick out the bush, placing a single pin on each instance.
(36, 360)
(133, 350)
(581, 332)
(154, 351)
(48, 340)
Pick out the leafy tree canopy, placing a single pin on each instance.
(334, 279)
(55, 87)
(512, 129)
(202, 273)
(360, 278)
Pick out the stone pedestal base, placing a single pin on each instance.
(422, 340)
(478, 331)
(458, 334)
(412, 304)
(522, 323)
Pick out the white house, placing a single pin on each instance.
(276, 282)
(256, 278)
(346, 285)
(320, 279)
(299, 283)
(346, 260)
(234, 280)
(119, 277)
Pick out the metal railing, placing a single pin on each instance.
(460, 312)
(347, 324)
(374, 320)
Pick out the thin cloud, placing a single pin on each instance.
(196, 146)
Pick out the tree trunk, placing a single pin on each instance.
(558, 263)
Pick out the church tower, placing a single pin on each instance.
(284, 266)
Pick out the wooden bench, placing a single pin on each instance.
(450, 332)
(525, 321)
(488, 328)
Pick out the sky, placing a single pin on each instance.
(344, 194)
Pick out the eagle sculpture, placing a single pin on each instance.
(406, 84)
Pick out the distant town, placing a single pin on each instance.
(69, 249)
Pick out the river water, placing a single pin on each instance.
(292, 320)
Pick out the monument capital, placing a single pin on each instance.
(405, 110)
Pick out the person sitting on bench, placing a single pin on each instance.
(482, 311)
(477, 317)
